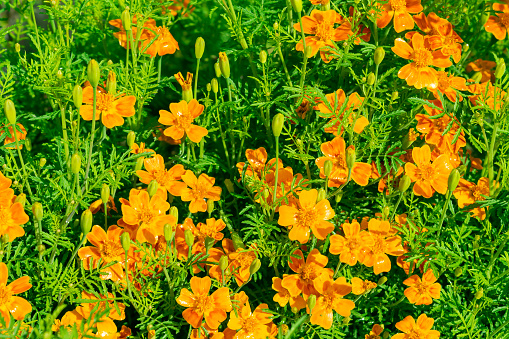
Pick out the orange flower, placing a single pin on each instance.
(109, 109)
(185, 83)
(12, 214)
(360, 286)
(106, 246)
(375, 332)
(310, 215)
(383, 242)
(420, 329)
(336, 102)
(256, 159)
(447, 85)
(98, 205)
(335, 151)
(484, 67)
(468, 193)
(287, 185)
(440, 132)
(163, 44)
(21, 134)
(418, 73)
(212, 229)
(106, 328)
(180, 121)
(168, 180)
(9, 303)
(122, 34)
(144, 217)
(199, 304)
(422, 292)
(323, 34)
(239, 259)
(331, 298)
(199, 190)
(182, 6)
(399, 9)
(135, 149)
(487, 94)
(351, 246)
(428, 177)
(499, 24)
(307, 271)
(250, 324)
(284, 297)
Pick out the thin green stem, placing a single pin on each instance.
(64, 132)
(444, 209)
(25, 175)
(303, 74)
(196, 79)
(91, 146)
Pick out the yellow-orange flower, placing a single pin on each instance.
(422, 292)
(498, 25)
(21, 134)
(200, 305)
(309, 215)
(448, 86)
(375, 332)
(111, 110)
(428, 177)
(350, 247)
(283, 296)
(468, 193)
(200, 189)
(487, 94)
(122, 34)
(138, 149)
(485, 67)
(416, 329)
(180, 120)
(418, 73)
(12, 214)
(399, 10)
(256, 162)
(250, 324)
(360, 286)
(106, 327)
(331, 298)
(168, 180)
(163, 44)
(10, 304)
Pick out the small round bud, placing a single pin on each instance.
(339, 196)
(110, 62)
(350, 157)
(17, 47)
(404, 183)
(125, 241)
(168, 232)
(346, 320)
(223, 263)
(371, 79)
(215, 85)
(379, 55)
(381, 281)
(189, 237)
(210, 206)
(277, 124)
(41, 248)
(75, 163)
(394, 96)
(321, 195)
(126, 19)
(111, 83)
(28, 144)
(275, 26)
(209, 242)
(309, 52)
(311, 302)
(284, 329)
(10, 111)
(477, 77)
(385, 212)
(297, 5)
(255, 266)
(327, 168)
(229, 185)
(139, 164)
(224, 64)
(237, 241)
(105, 193)
(131, 138)
(263, 56)
(93, 73)
(217, 70)
(42, 162)
(174, 212)
(22, 199)
(458, 272)
(37, 211)
(199, 48)
(500, 70)
(152, 188)
(86, 222)
(77, 96)
(454, 179)
(479, 294)
(209, 87)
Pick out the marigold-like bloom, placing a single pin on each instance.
(9, 302)
(498, 25)
(416, 329)
(399, 9)
(335, 151)
(422, 292)
(360, 286)
(469, 193)
(309, 215)
(168, 180)
(138, 149)
(180, 120)
(199, 190)
(283, 296)
(307, 271)
(98, 205)
(428, 177)
(12, 214)
(239, 262)
(350, 248)
(435, 128)
(448, 86)
(106, 328)
(187, 82)
(122, 34)
(375, 332)
(109, 109)
(321, 27)
(491, 96)
(164, 44)
(250, 324)
(485, 67)
(256, 162)
(212, 229)
(21, 134)
(383, 242)
(331, 298)
(199, 304)
(418, 73)
(182, 6)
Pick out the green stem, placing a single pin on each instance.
(64, 132)
(284, 64)
(159, 62)
(83, 240)
(25, 175)
(303, 74)
(444, 209)
(222, 134)
(91, 146)
(396, 206)
(196, 79)
(232, 137)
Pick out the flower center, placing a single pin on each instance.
(397, 4)
(145, 216)
(245, 259)
(306, 217)
(352, 244)
(184, 119)
(104, 101)
(416, 334)
(308, 273)
(422, 57)
(422, 288)
(441, 123)
(324, 30)
(328, 300)
(199, 192)
(478, 193)
(249, 325)
(4, 295)
(504, 19)
(443, 81)
(379, 245)
(425, 172)
(203, 303)
(111, 250)
(161, 176)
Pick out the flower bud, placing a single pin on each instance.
(17, 47)
(346, 320)
(42, 162)
(174, 212)
(263, 56)
(93, 73)
(77, 96)
(125, 241)
(500, 70)
(394, 95)
(381, 281)
(379, 55)
(477, 77)
(350, 157)
(311, 302)
(10, 111)
(371, 79)
(41, 248)
(237, 241)
(275, 26)
(210, 206)
(229, 185)
(224, 64)
(283, 328)
(215, 85)
(327, 168)
(386, 335)
(454, 179)
(126, 19)
(484, 18)
(110, 62)
(152, 188)
(277, 124)
(309, 52)
(105, 193)
(297, 5)
(199, 48)
(131, 137)
(37, 211)
(111, 83)
(189, 237)
(223, 263)
(139, 164)
(217, 70)
(209, 242)
(385, 212)
(168, 232)
(28, 144)
(404, 183)
(321, 195)
(255, 266)
(75, 163)
(479, 294)
(339, 196)
(209, 87)
(22, 199)
(86, 222)
(458, 272)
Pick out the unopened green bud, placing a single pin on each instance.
(484, 18)
(41, 248)
(350, 157)
(321, 195)
(28, 144)
(125, 241)
(224, 64)
(10, 111)
(229, 185)
(479, 294)
(458, 272)
(385, 212)
(311, 302)
(105, 193)
(454, 179)
(275, 26)
(37, 211)
(199, 48)
(217, 70)
(394, 96)
(263, 56)
(477, 77)
(500, 70)
(371, 79)
(152, 188)
(126, 19)
(77, 96)
(210, 206)
(86, 222)
(110, 62)
(93, 73)
(131, 137)
(297, 5)
(111, 83)
(277, 124)
(346, 320)
(75, 163)
(22, 199)
(189, 237)
(209, 87)
(17, 47)
(5, 240)
(168, 232)
(309, 51)
(327, 168)
(139, 164)
(174, 212)
(237, 241)
(60, 75)
(215, 85)
(381, 281)
(404, 183)
(42, 162)
(255, 266)
(223, 263)
(209, 242)
(379, 55)
(339, 196)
